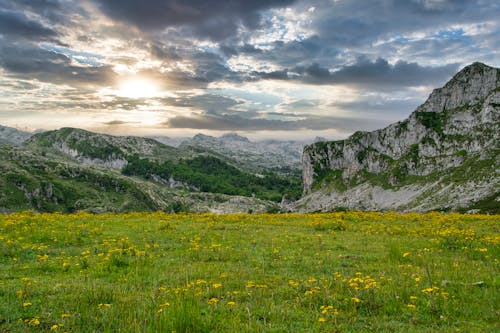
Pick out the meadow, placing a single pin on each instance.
(332, 272)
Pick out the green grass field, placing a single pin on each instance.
(338, 272)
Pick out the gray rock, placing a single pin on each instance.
(455, 130)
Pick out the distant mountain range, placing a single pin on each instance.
(72, 169)
(445, 156)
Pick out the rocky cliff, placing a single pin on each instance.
(444, 156)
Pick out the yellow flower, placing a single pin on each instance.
(411, 306)
(216, 285)
(406, 254)
(231, 303)
(413, 298)
(26, 304)
(54, 327)
(213, 300)
(356, 300)
(34, 322)
(65, 315)
(321, 319)
(103, 305)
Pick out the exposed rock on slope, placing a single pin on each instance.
(444, 156)
(281, 156)
(14, 136)
(101, 149)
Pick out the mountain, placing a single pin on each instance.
(445, 156)
(101, 149)
(280, 156)
(72, 169)
(44, 179)
(9, 135)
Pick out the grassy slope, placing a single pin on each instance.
(31, 179)
(249, 273)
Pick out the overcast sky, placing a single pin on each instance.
(262, 68)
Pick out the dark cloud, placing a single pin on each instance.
(216, 19)
(358, 23)
(237, 123)
(119, 122)
(17, 24)
(379, 74)
(30, 61)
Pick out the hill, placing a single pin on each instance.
(72, 169)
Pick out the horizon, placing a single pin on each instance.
(281, 69)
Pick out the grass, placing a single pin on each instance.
(336, 272)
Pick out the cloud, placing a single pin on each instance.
(17, 24)
(29, 61)
(237, 123)
(376, 75)
(119, 122)
(214, 19)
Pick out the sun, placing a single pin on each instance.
(138, 88)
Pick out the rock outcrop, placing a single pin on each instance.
(444, 156)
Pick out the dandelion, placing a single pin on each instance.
(293, 283)
(413, 298)
(26, 304)
(356, 300)
(34, 322)
(65, 315)
(216, 285)
(231, 303)
(321, 319)
(103, 305)
(54, 327)
(213, 300)
(406, 254)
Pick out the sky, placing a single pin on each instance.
(281, 69)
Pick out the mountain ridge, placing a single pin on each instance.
(403, 166)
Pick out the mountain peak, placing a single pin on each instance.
(234, 137)
(444, 156)
(470, 85)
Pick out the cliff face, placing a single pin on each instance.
(445, 155)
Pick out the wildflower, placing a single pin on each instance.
(231, 303)
(213, 300)
(293, 283)
(356, 300)
(412, 298)
(26, 304)
(103, 305)
(406, 254)
(429, 290)
(65, 315)
(321, 319)
(216, 285)
(34, 322)
(411, 306)
(250, 284)
(54, 327)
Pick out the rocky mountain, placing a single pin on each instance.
(280, 156)
(46, 179)
(9, 135)
(445, 156)
(72, 169)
